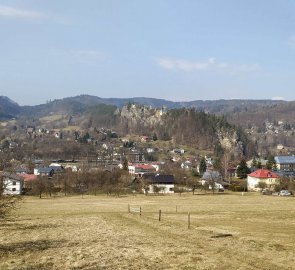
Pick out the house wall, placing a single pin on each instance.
(12, 187)
(166, 188)
(286, 166)
(252, 182)
(131, 169)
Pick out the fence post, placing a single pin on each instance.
(128, 208)
(188, 220)
(140, 210)
(160, 212)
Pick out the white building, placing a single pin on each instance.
(141, 169)
(159, 183)
(285, 163)
(270, 179)
(12, 184)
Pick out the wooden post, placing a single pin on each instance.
(160, 212)
(140, 210)
(128, 208)
(188, 220)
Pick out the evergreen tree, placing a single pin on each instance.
(202, 166)
(242, 169)
(125, 164)
(271, 163)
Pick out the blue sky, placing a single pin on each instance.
(176, 50)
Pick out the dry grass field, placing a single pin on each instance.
(228, 231)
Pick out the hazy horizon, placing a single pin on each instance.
(176, 101)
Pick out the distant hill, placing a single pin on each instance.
(212, 106)
(80, 104)
(8, 108)
(284, 112)
(87, 111)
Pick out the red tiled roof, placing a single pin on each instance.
(145, 167)
(262, 173)
(28, 177)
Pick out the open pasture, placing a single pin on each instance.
(227, 231)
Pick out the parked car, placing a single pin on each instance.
(284, 193)
(218, 187)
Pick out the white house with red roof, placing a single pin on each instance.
(140, 169)
(268, 177)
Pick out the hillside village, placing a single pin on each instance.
(141, 149)
(147, 135)
(100, 160)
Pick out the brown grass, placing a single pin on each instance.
(228, 231)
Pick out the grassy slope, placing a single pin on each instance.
(98, 233)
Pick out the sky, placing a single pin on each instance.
(171, 49)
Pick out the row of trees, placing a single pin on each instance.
(91, 182)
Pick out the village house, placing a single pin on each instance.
(12, 184)
(285, 163)
(213, 179)
(159, 183)
(178, 151)
(157, 165)
(21, 170)
(187, 165)
(44, 171)
(269, 178)
(140, 169)
(135, 156)
(150, 150)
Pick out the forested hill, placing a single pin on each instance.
(284, 112)
(181, 126)
(8, 108)
(80, 104)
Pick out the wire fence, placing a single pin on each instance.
(137, 210)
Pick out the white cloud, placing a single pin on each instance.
(12, 12)
(210, 64)
(278, 98)
(168, 63)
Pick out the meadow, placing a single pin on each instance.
(227, 231)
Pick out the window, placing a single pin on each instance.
(14, 183)
(13, 189)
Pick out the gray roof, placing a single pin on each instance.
(285, 159)
(45, 170)
(160, 178)
(212, 175)
(12, 176)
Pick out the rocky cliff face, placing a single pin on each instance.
(142, 115)
(184, 126)
(230, 142)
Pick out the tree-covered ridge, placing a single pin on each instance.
(185, 127)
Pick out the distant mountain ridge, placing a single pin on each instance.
(8, 108)
(81, 103)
